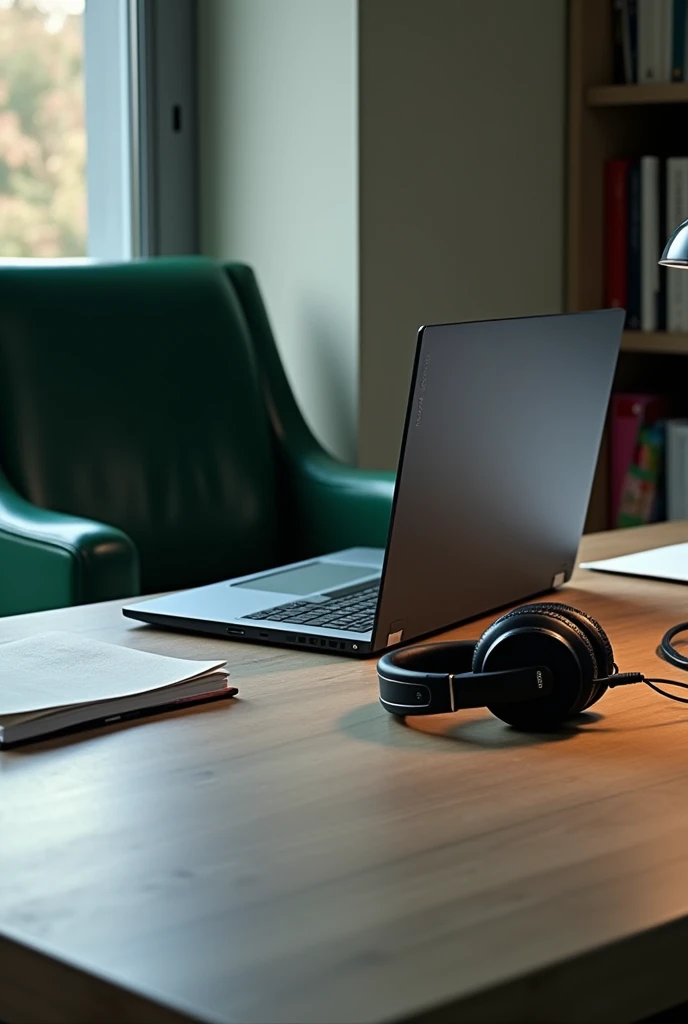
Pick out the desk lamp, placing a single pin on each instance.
(676, 250)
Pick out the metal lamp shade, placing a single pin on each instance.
(676, 250)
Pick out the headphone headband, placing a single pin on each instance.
(434, 679)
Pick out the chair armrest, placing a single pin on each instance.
(51, 560)
(332, 505)
(338, 506)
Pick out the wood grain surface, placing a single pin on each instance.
(297, 855)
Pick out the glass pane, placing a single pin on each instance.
(42, 129)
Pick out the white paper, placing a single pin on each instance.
(53, 669)
(667, 563)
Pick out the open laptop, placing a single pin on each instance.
(502, 431)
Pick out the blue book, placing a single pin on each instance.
(678, 41)
(633, 301)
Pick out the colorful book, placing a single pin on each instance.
(629, 413)
(641, 496)
(616, 233)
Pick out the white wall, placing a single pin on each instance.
(414, 160)
(462, 180)
(278, 125)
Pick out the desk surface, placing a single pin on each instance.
(298, 855)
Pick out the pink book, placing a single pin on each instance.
(628, 413)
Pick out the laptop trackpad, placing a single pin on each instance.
(307, 579)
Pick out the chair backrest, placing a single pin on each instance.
(129, 394)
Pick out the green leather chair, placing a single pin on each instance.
(149, 439)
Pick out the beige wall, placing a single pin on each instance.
(461, 180)
(382, 164)
(278, 95)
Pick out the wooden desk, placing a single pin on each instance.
(298, 855)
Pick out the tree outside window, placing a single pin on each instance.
(42, 129)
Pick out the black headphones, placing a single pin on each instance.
(534, 668)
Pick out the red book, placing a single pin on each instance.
(616, 233)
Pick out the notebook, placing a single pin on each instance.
(58, 681)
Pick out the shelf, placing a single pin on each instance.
(651, 341)
(636, 95)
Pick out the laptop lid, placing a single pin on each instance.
(502, 433)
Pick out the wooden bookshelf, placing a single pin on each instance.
(659, 342)
(606, 121)
(633, 95)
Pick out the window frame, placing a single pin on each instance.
(141, 128)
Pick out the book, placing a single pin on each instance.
(648, 66)
(683, 277)
(663, 12)
(655, 50)
(676, 213)
(57, 681)
(641, 496)
(678, 41)
(649, 242)
(631, 41)
(618, 26)
(616, 233)
(629, 413)
(677, 469)
(661, 294)
(633, 260)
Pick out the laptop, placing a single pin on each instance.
(503, 427)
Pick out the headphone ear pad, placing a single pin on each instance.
(533, 635)
(600, 642)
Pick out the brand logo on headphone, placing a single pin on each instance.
(538, 676)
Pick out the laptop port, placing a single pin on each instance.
(312, 640)
(302, 639)
(333, 644)
(235, 631)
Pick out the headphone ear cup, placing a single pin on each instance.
(537, 635)
(604, 653)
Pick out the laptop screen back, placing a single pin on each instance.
(499, 451)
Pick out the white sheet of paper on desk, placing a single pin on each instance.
(667, 563)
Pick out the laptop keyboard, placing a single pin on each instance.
(354, 611)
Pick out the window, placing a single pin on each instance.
(97, 128)
(43, 206)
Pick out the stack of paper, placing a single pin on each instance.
(57, 681)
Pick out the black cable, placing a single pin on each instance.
(668, 682)
(669, 651)
(625, 678)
